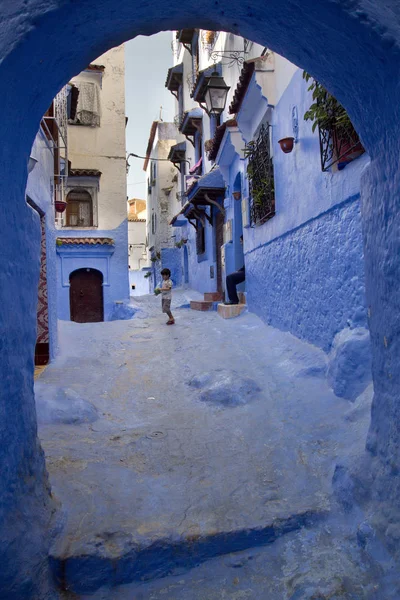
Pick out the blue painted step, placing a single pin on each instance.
(85, 573)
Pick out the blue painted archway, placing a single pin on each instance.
(351, 47)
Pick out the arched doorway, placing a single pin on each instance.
(352, 48)
(79, 209)
(86, 296)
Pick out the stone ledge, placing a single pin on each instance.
(202, 305)
(213, 297)
(229, 311)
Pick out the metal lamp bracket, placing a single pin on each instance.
(295, 124)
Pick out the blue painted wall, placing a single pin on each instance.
(200, 278)
(141, 283)
(39, 190)
(115, 269)
(310, 281)
(360, 66)
(171, 258)
(305, 267)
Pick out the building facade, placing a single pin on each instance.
(46, 173)
(162, 179)
(138, 256)
(297, 207)
(92, 236)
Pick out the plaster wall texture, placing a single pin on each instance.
(311, 281)
(141, 283)
(319, 286)
(137, 239)
(38, 188)
(103, 148)
(111, 261)
(351, 48)
(161, 201)
(171, 258)
(201, 267)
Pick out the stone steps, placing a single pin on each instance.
(202, 305)
(213, 297)
(229, 311)
(210, 302)
(111, 560)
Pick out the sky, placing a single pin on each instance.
(147, 60)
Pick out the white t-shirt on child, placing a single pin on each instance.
(166, 294)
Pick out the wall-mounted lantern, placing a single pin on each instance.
(216, 94)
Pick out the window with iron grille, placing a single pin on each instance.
(200, 238)
(339, 141)
(79, 209)
(338, 144)
(260, 173)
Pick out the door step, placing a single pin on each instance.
(113, 559)
(202, 305)
(242, 297)
(229, 311)
(213, 297)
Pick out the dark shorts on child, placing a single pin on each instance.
(166, 305)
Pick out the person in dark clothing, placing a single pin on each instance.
(233, 280)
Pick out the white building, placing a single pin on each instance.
(138, 255)
(162, 200)
(93, 238)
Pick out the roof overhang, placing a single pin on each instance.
(218, 136)
(84, 173)
(185, 37)
(191, 123)
(207, 190)
(177, 154)
(174, 79)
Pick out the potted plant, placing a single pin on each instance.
(286, 144)
(329, 115)
(60, 206)
(209, 37)
(208, 145)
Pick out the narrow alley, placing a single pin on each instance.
(168, 446)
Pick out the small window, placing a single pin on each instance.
(200, 238)
(79, 209)
(153, 172)
(88, 109)
(153, 223)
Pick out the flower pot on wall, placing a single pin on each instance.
(286, 144)
(60, 206)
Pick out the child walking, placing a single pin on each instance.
(166, 296)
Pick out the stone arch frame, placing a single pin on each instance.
(351, 47)
(90, 185)
(84, 192)
(99, 274)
